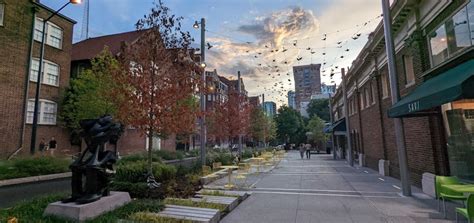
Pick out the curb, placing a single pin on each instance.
(32, 179)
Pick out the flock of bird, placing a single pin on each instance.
(277, 62)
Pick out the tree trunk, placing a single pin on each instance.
(150, 148)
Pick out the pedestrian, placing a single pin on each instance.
(42, 145)
(302, 149)
(308, 151)
(52, 146)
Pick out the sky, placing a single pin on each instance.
(261, 38)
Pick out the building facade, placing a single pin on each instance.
(270, 108)
(307, 82)
(21, 23)
(133, 140)
(291, 99)
(434, 52)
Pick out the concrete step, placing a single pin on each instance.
(231, 202)
(242, 194)
(201, 215)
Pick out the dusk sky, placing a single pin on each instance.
(257, 37)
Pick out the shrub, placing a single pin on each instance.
(134, 172)
(33, 166)
(32, 210)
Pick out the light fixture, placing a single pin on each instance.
(75, 1)
(203, 65)
(196, 24)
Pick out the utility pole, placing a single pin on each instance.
(202, 121)
(395, 96)
(239, 86)
(332, 122)
(346, 116)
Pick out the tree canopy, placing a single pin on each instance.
(88, 95)
(290, 125)
(320, 108)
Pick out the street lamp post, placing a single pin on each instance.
(38, 79)
(395, 95)
(202, 120)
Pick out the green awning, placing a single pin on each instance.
(454, 84)
(339, 125)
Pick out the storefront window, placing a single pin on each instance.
(439, 45)
(459, 119)
(470, 18)
(453, 35)
(457, 29)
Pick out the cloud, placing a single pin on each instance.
(277, 26)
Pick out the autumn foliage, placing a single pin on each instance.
(230, 118)
(158, 78)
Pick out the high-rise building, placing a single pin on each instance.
(270, 108)
(307, 83)
(291, 99)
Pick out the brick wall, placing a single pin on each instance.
(15, 43)
(15, 37)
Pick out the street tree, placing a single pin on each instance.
(230, 118)
(316, 129)
(89, 95)
(290, 125)
(320, 108)
(160, 78)
(262, 128)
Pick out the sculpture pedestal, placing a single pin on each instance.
(82, 212)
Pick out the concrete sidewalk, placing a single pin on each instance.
(325, 190)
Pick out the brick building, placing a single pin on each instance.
(307, 82)
(20, 35)
(133, 139)
(434, 54)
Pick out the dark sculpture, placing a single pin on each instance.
(95, 164)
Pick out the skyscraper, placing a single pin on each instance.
(270, 108)
(291, 99)
(307, 83)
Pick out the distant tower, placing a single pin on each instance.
(85, 21)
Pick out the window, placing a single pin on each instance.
(384, 85)
(458, 32)
(47, 112)
(457, 117)
(368, 96)
(373, 92)
(409, 71)
(50, 72)
(362, 99)
(54, 34)
(453, 35)
(2, 13)
(38, 29)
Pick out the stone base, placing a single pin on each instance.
(428, 184)
(384, 167)
(82, 212)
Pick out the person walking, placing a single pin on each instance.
(308, 151)
(302, 149)
(52, 146)
(42, 146)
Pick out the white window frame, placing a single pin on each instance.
(41, 111)
(2, 13)
(408, 60)
(49, 36)
(46, 66)
(385, 86)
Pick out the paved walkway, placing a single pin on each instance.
(325, 190)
